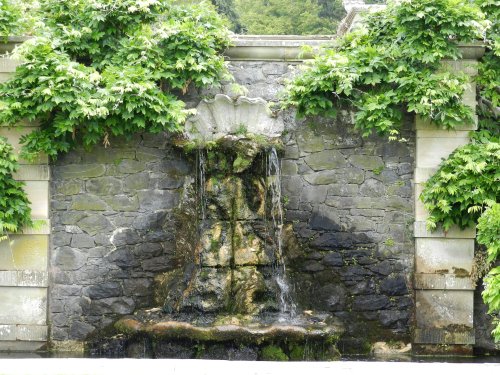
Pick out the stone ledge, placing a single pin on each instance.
(274, 47)
(29, 278)
(421, 231)
(442, 336)
(23, 333)
(429, 281)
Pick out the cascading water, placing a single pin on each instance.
(286, 302)
(202, 172)
(229, 285)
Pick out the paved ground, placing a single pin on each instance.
(199, 367)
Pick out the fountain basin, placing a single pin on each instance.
(226, 337)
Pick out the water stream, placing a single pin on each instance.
(286, 303)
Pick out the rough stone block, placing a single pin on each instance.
(69, 187)
(123, 203)
(104, 186)
(23, 305)
(154, 200)
(94, 224)
(100, 155)
(308, 141)
(88, 202)
(69, 259)
(24, 252)
(79, 171)
(444, 255)
(326, 160)
(313, 194)
(366, 162)
(440, 309)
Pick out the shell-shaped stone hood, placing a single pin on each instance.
(222, 116)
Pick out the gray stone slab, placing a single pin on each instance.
(444, 309)
(444, 255)
(23, 305)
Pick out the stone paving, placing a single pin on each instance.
(199, 367)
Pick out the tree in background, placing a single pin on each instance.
(287, 17)
(227, 8)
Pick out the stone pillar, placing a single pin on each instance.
(444, 293)
(24, 256)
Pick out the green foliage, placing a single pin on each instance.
(9, 18)
(465, 184)
(104, 68)
(288, 17)
(489, 78)
(17, 17)
(273, 353)
(393, 63)
(15, 211)
(488, 234)
(227, 8)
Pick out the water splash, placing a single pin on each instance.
(202, 173)
(286, 302)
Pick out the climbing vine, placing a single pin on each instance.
(102, 68)
(392, 63)
(488, 234)
(15, 211)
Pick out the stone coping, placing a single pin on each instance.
(276, 47)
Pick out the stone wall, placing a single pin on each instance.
(112, 231)
(349, 200)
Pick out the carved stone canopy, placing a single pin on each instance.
(222, 116)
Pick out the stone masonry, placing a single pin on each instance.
(349, 199)
(112, 231)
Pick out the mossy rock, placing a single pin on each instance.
(273, 353)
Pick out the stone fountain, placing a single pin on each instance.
(230, 296)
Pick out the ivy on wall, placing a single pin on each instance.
(15, 210)
(393, 62)
(101, 68)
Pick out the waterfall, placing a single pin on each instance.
(202, 172)
(286, 302)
